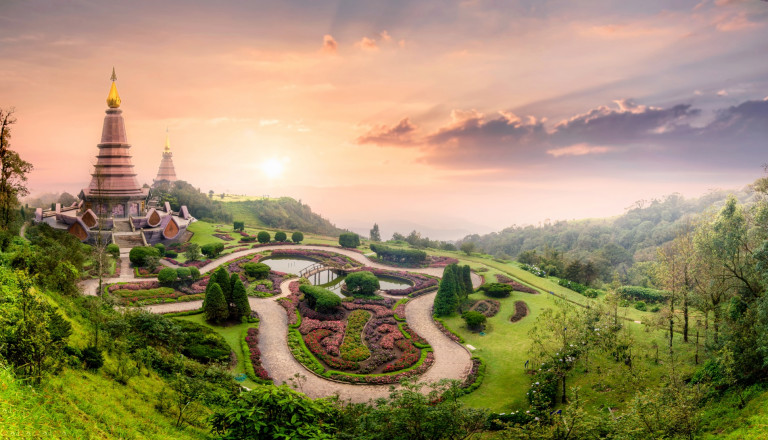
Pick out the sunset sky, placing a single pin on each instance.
(446, 116)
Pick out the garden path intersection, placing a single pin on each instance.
(452, 361)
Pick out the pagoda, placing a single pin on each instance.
(114, 190)
(166, 173)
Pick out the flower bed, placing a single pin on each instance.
(429, 359)
(252, 342)
(415, 337)
(438, 261)
(409, 357)
(521, 311)
(400, 309)
(291, 302)
(420, 284)
(378, 310)
(453, 336)
(327, 258)
(225, 237)
(488, 307)
(198, 263)
(313, 341)
(515, 285)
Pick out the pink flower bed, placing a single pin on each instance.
(415, 337)
(435, 261)
(198, 264)
(313, 341)
(333, 340)
(252, 339)
(391, 334)
(140, 285)
(390, 379)
(291, 302)
(378, 311)
(400, 310)
(410, 356)
(515, 285)
(447, 332)
(224, 237)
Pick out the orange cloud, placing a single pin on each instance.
(578, 150)
(367, 44)
(329, 44)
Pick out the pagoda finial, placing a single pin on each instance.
(113, 99)
(167, 141)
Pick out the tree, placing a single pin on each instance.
(263, 237)
(212, 250)
(215, 307)
(349, 240)
(474, 320)
(239, 226)
(13, 172)
(192, 253)
(446, 300)
(280, 236)
(221, 277)
(297, 237)
(375, 234)
(66, 199)
(188, 390)
(210, 194)
(140, 254)
(242, 307)
(466, 280)
(363, 283)
(468, 247)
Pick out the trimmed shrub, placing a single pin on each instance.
(194, 273)
(160, 248)
(447, 300)
(139, 255)
(297, 237)
(319, 299)
(239, 226)
(167, 275)
(221, 277)
(408, 256)
(170, 253)
(184, 273)
(259, 271)
(640, 305)
(363, 283)
(496, 290)
(212, 250)
(349, 240)
(280, 236)
(474, 320)
(215, 307)
(638, 293)
(242, 308)
(114, 250)
(263, 237)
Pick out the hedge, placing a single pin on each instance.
(639, 293)
(320, 299)
(411, 256)
(349, 240)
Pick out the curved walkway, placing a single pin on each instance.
(452, 361)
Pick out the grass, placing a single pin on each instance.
(232, 334)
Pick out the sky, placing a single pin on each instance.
(450, 117)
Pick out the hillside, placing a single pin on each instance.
(282, 213)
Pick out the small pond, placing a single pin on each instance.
(287, 265)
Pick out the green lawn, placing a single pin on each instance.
(232, 334)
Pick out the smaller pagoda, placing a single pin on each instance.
(166, 173)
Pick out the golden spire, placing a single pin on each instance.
(113, 99)
(167, 141)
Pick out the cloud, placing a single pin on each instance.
(473, 126)
(367, 44)
(400, 134)
(329, 44)
(735, 22)
(722, 93)
(579, 150)
(385, 36)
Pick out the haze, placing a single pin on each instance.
(447, 116)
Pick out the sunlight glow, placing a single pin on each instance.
(273, 167)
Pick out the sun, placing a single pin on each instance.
(273, 168)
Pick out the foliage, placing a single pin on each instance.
(468, 247)
(242, 308)
(322, 300)
(167, 275)
(282, 213)
(113, 250)
(196, 341)
(180, 193)
(194, 273)
(183, 273)
(263, 237)
(259, 271)
(55, 257)
(353, 348)
(297, 237)
(639, 293)
(212, 250)
(496, 290)
(447, 300)
(474, 320)
(13, 172)
(281, 236)
(192, 252)
(92, 357)
(139, 255)
(239, 226)
(273, 412)
(409, 256)
(160, 249)
(215, 306)
(362, 282)
(349, 240)
(375, 235)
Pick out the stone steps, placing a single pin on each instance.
(127, 241)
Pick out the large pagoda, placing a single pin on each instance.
(166, 173)
(114, 190)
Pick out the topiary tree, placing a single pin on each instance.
(212, 250)
(349, 240)
(114, 250)
(139, 255)
(322, 300)
(259, 271)
(363, 283)
(221, 277)
(474, 320)
(167, 275)
(297, 237)
(242, 308)
(160, 249)
(447, 300)
(239, 226)
(215, 307)
(263, 237)
(194, 273)
(496, 290)
(280, 236)
(466, 280)
(184, 273)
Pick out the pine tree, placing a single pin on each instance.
(216, 309)
(446, 300)
(221, 277)
(242, 307)
(466, 278)
(232, 280)
(375, 234)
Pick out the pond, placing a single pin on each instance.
(288, 264)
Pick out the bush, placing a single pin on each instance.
(591, 293)
(259, 271)
(263, 237)
(171, 253)
(139, 255)
(408, 256)
(183, 273)
(239, 226)
(167, 275)
(474, 320)
(160, 249)
(640, 305)
(349, 240)
(322, 300)
(638, 293)
(114, 250)
(215, 306)
(496, 290)
(194, 273)
(297, 237)
(212, 250)
(280, 236)
(92, 357)
(655, 309)
(363, 283)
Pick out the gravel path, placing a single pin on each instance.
(452, 361)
